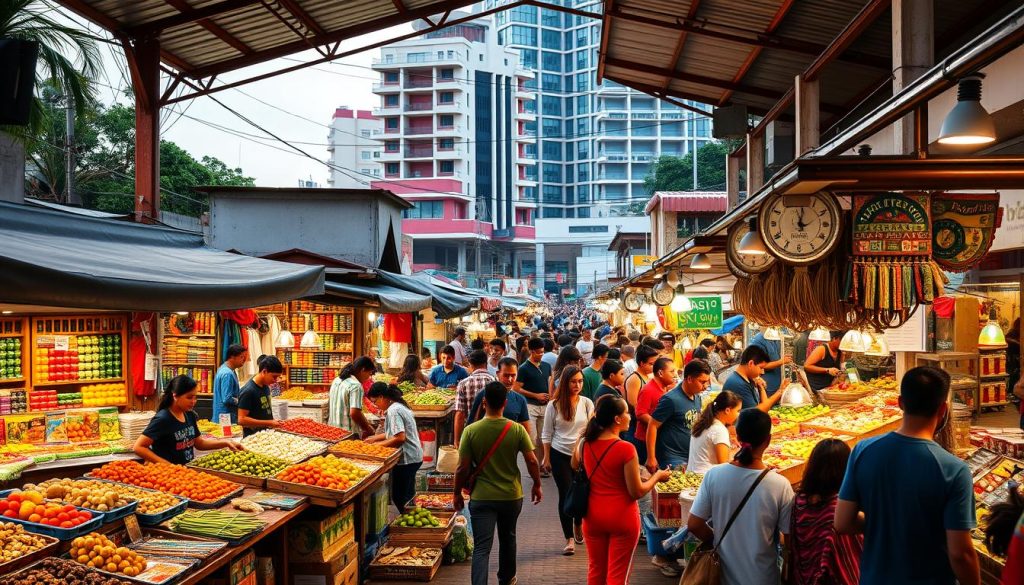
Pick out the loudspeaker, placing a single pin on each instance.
(17, 78)
(729, 122)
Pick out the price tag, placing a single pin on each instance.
(131, 524)
(61, 342)
(152, 365)
(852, 375)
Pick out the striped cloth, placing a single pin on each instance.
(820, 556)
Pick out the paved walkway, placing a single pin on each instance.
(540, 552)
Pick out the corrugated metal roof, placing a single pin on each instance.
(689, 201)
(749, 51)
(238, 33)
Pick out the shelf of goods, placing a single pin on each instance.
(992, 474)
(189, 348)
(77, 361)
(14, 365)
(963, 368)
(318, 366)
(993, 378)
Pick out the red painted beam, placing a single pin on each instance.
(690, 15)
(144, 66)
(756, 52)
(606, 26)
(856, 27)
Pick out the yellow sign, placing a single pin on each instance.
(643, 261)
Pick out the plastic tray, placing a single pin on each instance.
(117, 513)
(55, 531)
(217, 504)
(156, 519)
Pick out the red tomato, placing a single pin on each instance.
(66, 524)
(68, 508)
(62, 516)
(14, 498)
(85, 515)
(11, 514)
(3, 506)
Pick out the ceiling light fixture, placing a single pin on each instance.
(773, 334)
(991, 336)
(310, 340)
(700, 262)
(819, 334)
(968, 122)
(855, 341)
(878, 347)
(285, 339)
(751, 243)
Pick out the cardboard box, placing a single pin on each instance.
(325, 573)
(313, 538)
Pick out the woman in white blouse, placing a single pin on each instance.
(565, 419)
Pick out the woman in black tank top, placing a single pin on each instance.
(825, 362)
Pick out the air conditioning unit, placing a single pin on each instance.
(779, 139)
(729, 122)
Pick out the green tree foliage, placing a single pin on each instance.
(673, 173)
(105, 170)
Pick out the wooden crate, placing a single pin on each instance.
(334, 450)
(49, 550)
(246, 480)
(404, 572)
(424, 537)
(431, 407)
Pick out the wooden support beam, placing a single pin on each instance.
(732, 180)
(678, 51)
(211, 26)
(755, 162)
(606, 26)
(780, 13)
(144, 67)
(186, 15)
(856, 27)
(808, 115)
(913, 33)
(295, 10)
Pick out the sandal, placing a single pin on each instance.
(569, 550)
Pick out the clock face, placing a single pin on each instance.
(743, 265)
(662, 294)
(800, 229)
(632, 302)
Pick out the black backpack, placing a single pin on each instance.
(578, 496)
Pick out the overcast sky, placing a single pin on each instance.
(298, 108)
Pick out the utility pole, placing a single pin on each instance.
(695, 120)
(70, 196)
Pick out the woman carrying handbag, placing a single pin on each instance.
(752, 505)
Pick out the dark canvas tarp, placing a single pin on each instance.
(373, 293)
(57, 259)
(446, 303)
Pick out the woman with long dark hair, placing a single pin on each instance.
(718, 357)
(820, 556)
(345, 399)
(400, 432)
(173, 433)
(710, 442)
(750, 544)
(612, 525)
(568, 356)
(565, 419)
(412, 372)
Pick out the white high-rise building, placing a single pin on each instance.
(354, 151)
(454, 113)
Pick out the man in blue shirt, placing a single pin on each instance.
(746, 381)
(516, 408)
(668, 433)
(225, 384)
(447, 374)
(773, 369)
(912, 500)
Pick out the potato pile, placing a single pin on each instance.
(16, 542)
(99, 552)
(52, 571)
(101, 498)
(149, 502)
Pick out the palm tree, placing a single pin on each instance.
(68, 57)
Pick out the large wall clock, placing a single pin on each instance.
(744, 265)
(800, 229)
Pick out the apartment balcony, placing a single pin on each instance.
(448, 84)
(451, 106)
(643, 156)
(635, 136)
(528, 180)
(524, 93)
(526, 159)
(612, 115)
(518, 232)
(388, 61)
(527, 136)
(613, 135)
(672, 115)
(612, 157)
(390, 155)
(643, 115)
(419, 131)
(419, 152)
(418, 107)
(526, 116)
(611, 178)
(392, 87)
(450, 154)
(449, 130)
(386, 110)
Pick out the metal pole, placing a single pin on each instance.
(70, 197)
(694, 153)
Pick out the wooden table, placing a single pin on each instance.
(443, 422)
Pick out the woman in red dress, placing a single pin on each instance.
(612, 525)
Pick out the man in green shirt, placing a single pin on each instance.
(497, 493)
(592, 373)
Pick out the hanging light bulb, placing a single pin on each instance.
(681, 303)
(794, 394)
(181, 313)
(968, 122)
(751, 243)
(285, 339)
(674, 278)
(773, 334)
(371, 316)
(310, 339)
(878, 347)
(819, 334)
(991, 336)
(855, 341)
(650, 312)
(700, 262)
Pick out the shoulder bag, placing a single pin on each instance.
(705, 566)
(578, 496)
(478, 468)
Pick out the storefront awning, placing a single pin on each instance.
(374, 294)
(58, 259)
(447, 303)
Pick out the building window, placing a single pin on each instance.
(552, 173)
(390, 77)
(581, 37)
(583, 82)
(583, 171)
(391, 124)
(551, 105)
(528, 58)
(568, 41)
(446, 97)
(588, 229)
(446, 144)
(581, 59)
(582, 150)
(391, 169)
(552, 128)
(425, 210)
(550, 61)
(365, 155)
(550, 18)
(447, 74)
(376, 154)
(552, 150)
(446, 167)
(391, 146)
(391, 100)
(551, 39)
(417, 57)
(582, 104)
(445, 121)
(552, 194)
(551, 82)
(376, 172)
(525, 14)
(524, 35)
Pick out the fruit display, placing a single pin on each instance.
(30, 506)
(98, 496)
(890, 398)
(88, 357)
(216, 524)
(800, 446)
(113, 394)
(407, 555)
(53, 571)
(10, 359)
(856, 419)
(295, 394)
(285, 446)
(245, 505)
(362, 448)
(173, 479)
(69, 400)
(846, 387)
(435, 501)
(780, 427)
(798, 413)
(417, 518)
(213, 429)
(74, 490)
(241, 462)
(432, 397)
(16, 542)
(885, 383)
(327, 471)
(99, 552)
(313, 429)
(774, 458)
(680, 481)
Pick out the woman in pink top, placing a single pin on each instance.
(612, 525)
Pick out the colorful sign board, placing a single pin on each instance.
(892, 224)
